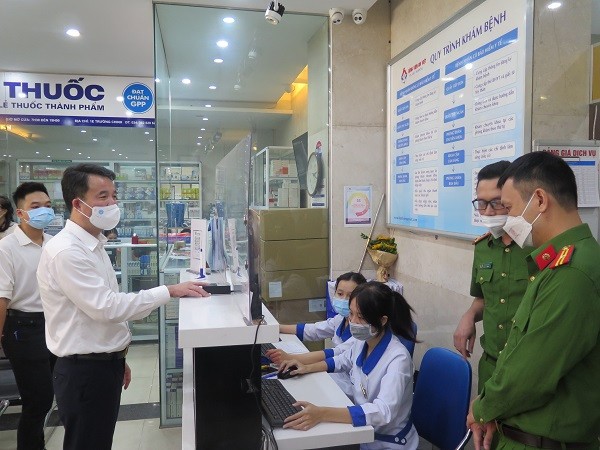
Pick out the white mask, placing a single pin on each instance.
(494, 223)
(104, 217)
(519, 229)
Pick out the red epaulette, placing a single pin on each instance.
(564, 257)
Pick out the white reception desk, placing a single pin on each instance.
(217, 322)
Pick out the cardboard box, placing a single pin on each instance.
(283, 224)
(293, 284)
(294, 311)
(294, 254)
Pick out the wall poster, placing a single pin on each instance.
(457, 101)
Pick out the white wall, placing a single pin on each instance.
(436, 271)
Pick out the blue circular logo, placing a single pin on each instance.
(138, 98)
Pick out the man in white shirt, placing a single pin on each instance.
(21, 314)
(86, 315)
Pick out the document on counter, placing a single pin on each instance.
(291, 347)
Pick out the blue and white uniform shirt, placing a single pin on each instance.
(382, 391)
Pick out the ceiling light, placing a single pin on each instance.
(113, 150)
(205, 118)
(151, 140)
(79, 153)
(83, 131)
(208, 106)
(89, 157)
(146, 132)
(49, 156)
(186, 81)
(95, 139)
(218, 60)
(202, 129)
(68, 149)
(73, 32)
(198, 143)
(212, 87)
(37, 153)
(274, 12)
(120, 98)
(120, 154)
(554, 5)
(228, 19)
(222, 43)
(157, 80)
(237, 87)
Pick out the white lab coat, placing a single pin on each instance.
(341, 340)
(381, 387)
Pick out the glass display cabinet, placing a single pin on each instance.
(274, 179)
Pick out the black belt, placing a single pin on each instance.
(24, 315)
(538, 441)
(99, 356)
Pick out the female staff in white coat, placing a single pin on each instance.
(380, 369)
(337, 328)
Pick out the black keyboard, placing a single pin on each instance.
(276, 402)
(265, 347)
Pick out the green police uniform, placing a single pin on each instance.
(500, 278)
(547, 379)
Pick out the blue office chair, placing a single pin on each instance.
(441, 399)
(410, 345)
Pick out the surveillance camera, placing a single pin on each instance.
(274, 12)
(359, 16)
(336, 15)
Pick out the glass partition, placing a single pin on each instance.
(230, 85)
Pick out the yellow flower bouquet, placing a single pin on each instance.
(384, 252)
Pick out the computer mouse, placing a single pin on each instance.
(287, 373)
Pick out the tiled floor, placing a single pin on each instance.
(143, 434)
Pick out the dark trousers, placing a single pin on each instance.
(24, 344)
(88, 394)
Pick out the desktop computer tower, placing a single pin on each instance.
(228, 416)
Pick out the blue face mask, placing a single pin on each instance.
(341, 306)
(40, 218)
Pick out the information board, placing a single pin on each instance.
(458, 100)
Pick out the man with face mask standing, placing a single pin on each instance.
(544, 392)
(85, 312)
(21, 313)
(499, 277)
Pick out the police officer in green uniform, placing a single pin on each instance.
(545, 391)
(499, 277)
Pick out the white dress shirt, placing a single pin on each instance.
(19, 257)
(382, 388)
(85, 312)
(8, 231)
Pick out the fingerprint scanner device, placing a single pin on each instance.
(217, 288)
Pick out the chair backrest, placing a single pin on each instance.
(410, 345)
(441, 398)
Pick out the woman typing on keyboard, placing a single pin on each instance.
(380, 369)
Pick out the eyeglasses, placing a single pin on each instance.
(481, 205)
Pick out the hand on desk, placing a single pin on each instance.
(301, 368)
(310, 416)
(188, 289)
(276, 355)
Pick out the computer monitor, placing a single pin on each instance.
(300, 145)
